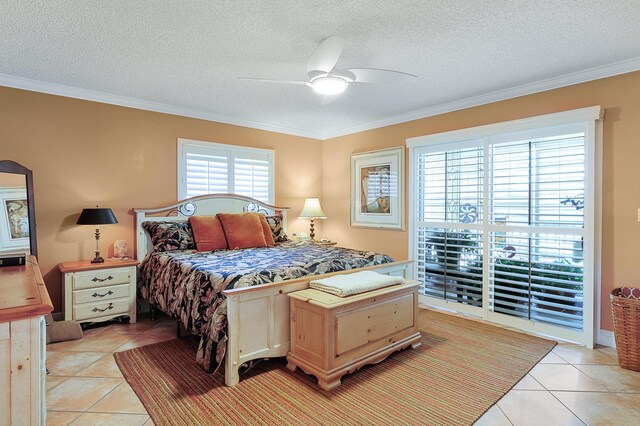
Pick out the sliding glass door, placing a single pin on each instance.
(501, 226)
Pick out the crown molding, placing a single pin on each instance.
(590, 74)
(106, 98)
(595, 112)
(616, 68)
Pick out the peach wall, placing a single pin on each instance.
(620, 96)
(84, 153)
(10, 180)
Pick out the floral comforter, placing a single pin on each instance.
(188, 285)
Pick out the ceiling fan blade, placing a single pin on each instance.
(268, 80)
(326, 55)
(372, 75)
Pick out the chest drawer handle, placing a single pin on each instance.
(109, 293)
(102, 310)
(95, 279)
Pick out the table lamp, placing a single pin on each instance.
(311, 211)
(97, 216)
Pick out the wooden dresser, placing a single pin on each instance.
(332, 336)
(23, 303)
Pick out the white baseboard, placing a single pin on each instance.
(606, 338)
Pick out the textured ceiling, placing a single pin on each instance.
(188, 53)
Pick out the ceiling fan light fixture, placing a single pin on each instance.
(329, 85)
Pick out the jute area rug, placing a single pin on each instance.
(462, 368)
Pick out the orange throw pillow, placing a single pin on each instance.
(266, 229)
(242, 230)
(208, 233)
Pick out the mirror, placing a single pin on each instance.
(17, 212)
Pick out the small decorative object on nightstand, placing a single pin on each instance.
(97, 217)
(95, 292)
(311, 211)
(120, 249)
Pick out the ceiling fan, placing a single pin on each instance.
(327, 80)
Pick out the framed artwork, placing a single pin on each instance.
(377, 189)
(14, 219)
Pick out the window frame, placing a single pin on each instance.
(232, 151)
(591, 119)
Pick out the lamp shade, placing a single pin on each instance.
(97, 216)
(312, 209)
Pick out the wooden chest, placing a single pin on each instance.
(332, 336)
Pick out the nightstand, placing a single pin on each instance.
(95, 292)
(325, 243)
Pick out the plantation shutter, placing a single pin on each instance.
(206, 173)
(208, 168)
(537, 212)
(449, 239)
(252, 177)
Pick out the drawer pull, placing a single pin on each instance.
(109, 293)
(102, 310)
(96, 279)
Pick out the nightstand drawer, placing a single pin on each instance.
(95, 310)
(101, 278)
(101, 294)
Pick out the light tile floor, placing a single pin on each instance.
(570, 386)
(85, 386)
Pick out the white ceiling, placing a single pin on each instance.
(183, 57)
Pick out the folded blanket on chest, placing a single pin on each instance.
(356, 283)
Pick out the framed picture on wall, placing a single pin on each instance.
(14, 219)
(377, 189)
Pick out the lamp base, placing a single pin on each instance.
(311, 233)
(98, 258)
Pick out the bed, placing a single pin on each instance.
(236, 300)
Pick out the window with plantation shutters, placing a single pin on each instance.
(209, 168)
(503, 223)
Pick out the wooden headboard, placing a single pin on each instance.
(202, 205)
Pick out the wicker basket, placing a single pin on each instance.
(625, 305)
